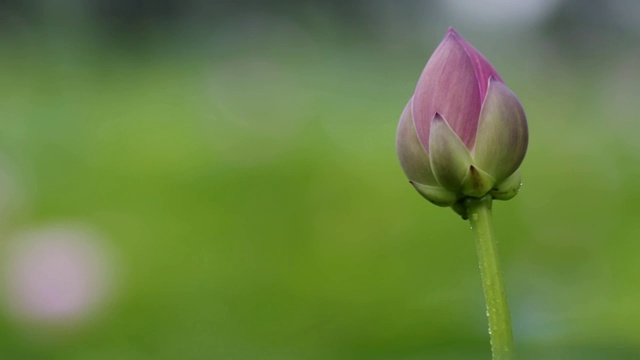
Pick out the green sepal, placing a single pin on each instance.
(435, 194)
(508, 188)
(477, 183)
(460, 208)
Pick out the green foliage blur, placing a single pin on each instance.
(248, 185)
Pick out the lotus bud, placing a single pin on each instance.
(463, 133)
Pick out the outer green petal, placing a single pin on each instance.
(502, 136)
(413, 156)
(508, 188)
(450, 159)
(435, 194)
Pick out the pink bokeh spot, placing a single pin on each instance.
(56, 274)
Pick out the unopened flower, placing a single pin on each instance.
(463, 132)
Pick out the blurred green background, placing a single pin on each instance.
(238, 163)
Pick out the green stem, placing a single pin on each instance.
(479, 214)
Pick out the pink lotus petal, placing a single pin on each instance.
(453, 83)
(482, 67)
